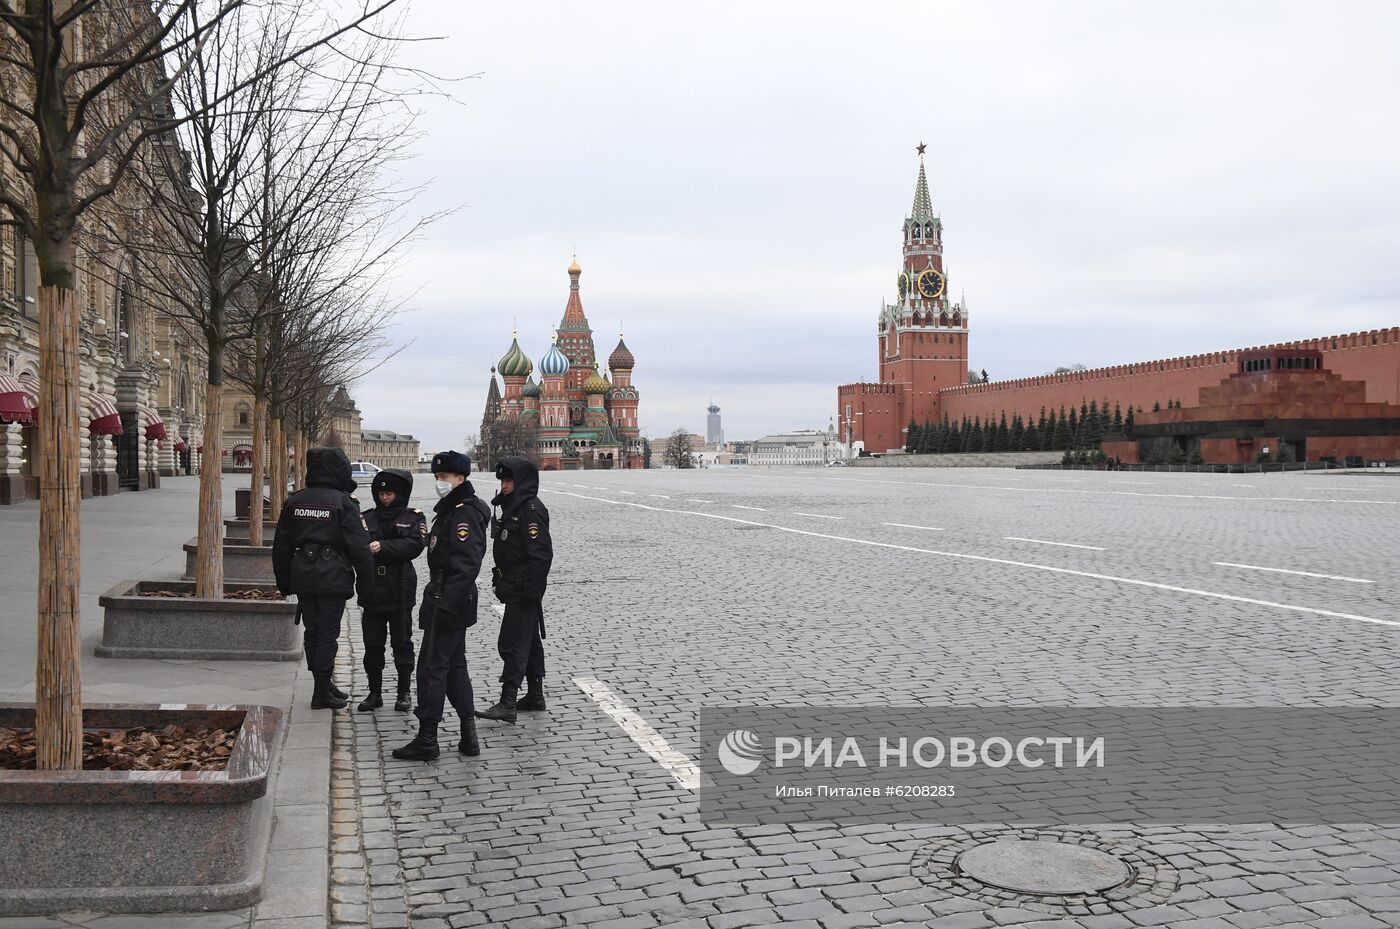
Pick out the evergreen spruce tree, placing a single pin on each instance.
(1073, 429)
(974, 439)
(1156, 407)
(1002, 442)
(1040, 423)
(1128, 424)
(926, 438)
(1118, 417)
(1093, 428)
(1060, 432)
(1030, 439)
(911, 437)
(1018, 433)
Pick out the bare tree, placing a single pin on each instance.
(678, 452)
(83, 86)
(510, 435)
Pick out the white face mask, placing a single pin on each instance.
(444, 487)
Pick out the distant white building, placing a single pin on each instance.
(802, 448)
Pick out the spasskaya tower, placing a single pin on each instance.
(921, 340)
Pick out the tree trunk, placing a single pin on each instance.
(209, 569)
(277, 468)
(58, 698)
(255, 513)
(302, 447)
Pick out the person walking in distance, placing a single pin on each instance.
(321, 545)
(523, 553)
(456, 548)
(398, 534)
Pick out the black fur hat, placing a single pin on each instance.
(450, 462)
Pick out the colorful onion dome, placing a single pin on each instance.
(531, 389)
(554, 364)
(621, 357)
(596, 383)
(514, 363)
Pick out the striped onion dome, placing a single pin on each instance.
(531, 389)
(621, 357)
(554, 364)
(514, 363)
(596, 383)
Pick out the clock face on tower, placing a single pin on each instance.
(930, 283)
(903, 284)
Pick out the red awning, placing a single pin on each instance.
(103, 418)
(14, 402)
(180, 445)
(29, 382)
(154, 426)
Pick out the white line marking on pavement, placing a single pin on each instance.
(818, 516)
(908, 526)
(640, 731)
(1053, 569)
(1066, 490)
(740, 506)
(1016, 538)
(630, 493)
(1330, 577)
(692, 500)
(662, 496)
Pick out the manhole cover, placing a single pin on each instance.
(1067, 872)
(1032, 867)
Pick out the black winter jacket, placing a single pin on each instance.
(521, 546)
(456, 548)
(321, 541)
(402, 533)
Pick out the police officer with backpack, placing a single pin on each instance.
(456, 547)
(320, 546)
(398, 534)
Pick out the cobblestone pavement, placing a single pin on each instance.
(676, 590)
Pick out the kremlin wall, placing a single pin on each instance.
(1372, 357)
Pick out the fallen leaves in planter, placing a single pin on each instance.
(250, 593)
(169, 748)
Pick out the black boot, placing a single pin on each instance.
(503, 709)
(323, 699)
(337, 692)
(469, 745)
(533, 701)
(402, 704)
(372, 700)
(424, 746)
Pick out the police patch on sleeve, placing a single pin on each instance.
(464, 532)
(533, 530)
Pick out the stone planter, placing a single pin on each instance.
(236, 530)
(243, 502)
(134, 626)
(242, 562)
(140, 841)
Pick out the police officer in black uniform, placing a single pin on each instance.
(523, 553)
(397, 535)
(456, 547)
(320, 546)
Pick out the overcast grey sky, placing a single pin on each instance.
(1117, 182)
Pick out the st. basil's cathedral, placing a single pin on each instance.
(580, 418)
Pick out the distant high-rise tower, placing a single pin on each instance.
(714, 435)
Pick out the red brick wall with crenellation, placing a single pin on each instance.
(1373, 357)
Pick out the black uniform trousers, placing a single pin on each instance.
(520, 644)
(442, 674)
(397, 627)
(320, 623)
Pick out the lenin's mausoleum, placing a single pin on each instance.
(1335, 397)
